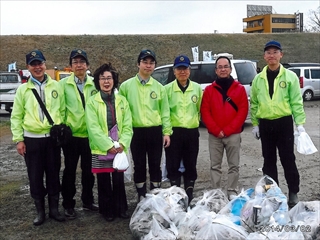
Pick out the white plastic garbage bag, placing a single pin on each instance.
(304, 144)
(120, 162)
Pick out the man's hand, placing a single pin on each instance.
(21, 148)
(256, 132)
(166, 141)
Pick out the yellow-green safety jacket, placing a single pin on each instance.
(75, 115)
(286, 99)
(184, 107)
(25, 111)
(96, 117)
(148, 103)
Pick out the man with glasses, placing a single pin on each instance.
(276, 103)
(78, 87)
(149, 106)
(184, 98)
(224, 109)
(31, 132)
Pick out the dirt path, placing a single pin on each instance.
(17, 210)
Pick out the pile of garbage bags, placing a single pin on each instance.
(259, 213)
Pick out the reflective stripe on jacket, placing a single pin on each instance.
(286, 99)
(75, 115)
(25, 111)
(148, 103)
(184, 107)
(96, 117)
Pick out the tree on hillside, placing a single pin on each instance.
(313, 24)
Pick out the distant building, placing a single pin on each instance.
(260, 19)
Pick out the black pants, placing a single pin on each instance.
(42, 157)
(184, 145)
(77, 147)
(278, 134)
(111, 195)
(147, 141)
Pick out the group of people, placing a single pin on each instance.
(147, 117)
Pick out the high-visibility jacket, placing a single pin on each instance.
(286, 99)
(184, 107)
(96, 118)
(148, 103)
(25, 111)
(75, 115)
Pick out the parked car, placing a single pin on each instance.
(288, 65)
(309, 79)
(203, 73)
(9, 81)
(6, 99)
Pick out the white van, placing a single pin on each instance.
(204, 73)
(309, 79)
(9, 81)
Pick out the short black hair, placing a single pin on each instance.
(225, 57)
(107, 67)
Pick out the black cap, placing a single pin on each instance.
(146, 53)
(35, 55)
(78, 52)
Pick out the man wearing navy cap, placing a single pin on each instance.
(184, 98)
(78, 87)
(31, 132)
(276, 103)
(149, 106)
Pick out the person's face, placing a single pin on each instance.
(223, 69)
(37, 69)
(79, 66)
(146, 66)
(106, 82)
(272, 56)
(182, 73)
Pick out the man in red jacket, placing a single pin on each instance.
(224, 109)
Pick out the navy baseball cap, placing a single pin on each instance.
(77, 53)
(181, 60)
(35, 55)
(273, 43)
(146, 53)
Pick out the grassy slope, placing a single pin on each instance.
(122, 50)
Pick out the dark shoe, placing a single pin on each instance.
(293, 199)
(53, 208)
(109, 218)
(124, 215)
(56, 216)
(70, 213)
(141, 190)
(41, 217)
(176, 182)
(91, 207)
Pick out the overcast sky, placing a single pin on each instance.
(134, 17)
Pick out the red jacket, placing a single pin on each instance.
(218, 115)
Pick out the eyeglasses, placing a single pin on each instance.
(223, 67)
(272, 52)
(81, 62)
(148, 63)
(36, 63)
(105, 79)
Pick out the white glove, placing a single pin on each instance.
(300, 129)
(116, 144)
(255, 132)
